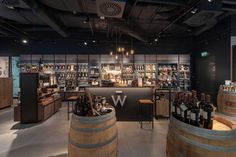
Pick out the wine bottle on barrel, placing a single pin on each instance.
(184, 109)
(178, 109)
(201, 107)
(194, 118)
(174, 105)
(208, 113)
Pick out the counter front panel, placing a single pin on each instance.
(125, 100)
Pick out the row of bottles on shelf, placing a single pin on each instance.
(188, 109)
(167, 67)
(52, 67)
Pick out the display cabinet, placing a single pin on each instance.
(168, 75)
(38, 99)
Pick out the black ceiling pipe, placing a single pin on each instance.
(229, 2)
(167, 2)
(41, 12)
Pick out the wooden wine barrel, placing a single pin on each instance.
(226, 102)
(93, 136)
(184, 140)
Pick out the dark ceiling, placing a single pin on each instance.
(142, 20)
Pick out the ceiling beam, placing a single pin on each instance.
(229, 2)
(44, 14)
(167, 2)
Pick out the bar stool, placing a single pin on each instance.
(71, 99)
(146, 103)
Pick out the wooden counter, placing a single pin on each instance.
(6, 93)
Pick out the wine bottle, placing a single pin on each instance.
(194, 118)
(207, 114)
(178, 110)
(201, 107)
(174, 105)
(184, 109)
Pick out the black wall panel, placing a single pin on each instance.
(217, 43)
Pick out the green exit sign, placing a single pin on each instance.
(205, 54)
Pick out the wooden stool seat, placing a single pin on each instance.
(73, 98)
(145, 101)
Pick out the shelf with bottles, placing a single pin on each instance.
(140, 69)
(184, 76)
(127, 72)
(94, 72)
(167, 75)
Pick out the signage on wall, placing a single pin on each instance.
(118, 99)
(205, 54)
(4, 67)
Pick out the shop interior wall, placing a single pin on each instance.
(211, 71)
(14, 47)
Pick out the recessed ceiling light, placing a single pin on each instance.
(102, 17)
(24, 41)
(131, 51)
(156, 39)
(210, 1)
(194, 11)
(85, 43)
(94, 41)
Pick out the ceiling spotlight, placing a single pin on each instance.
(119, 49)
(194, 11)
(156, 39)
(111, 53)
(102, 17)
(85, 43)
(24, 41)
(132, 52)
(86, 20)
(94, 41)
(210, 1)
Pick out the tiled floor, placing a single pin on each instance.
(50, 138)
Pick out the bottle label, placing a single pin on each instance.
(183, 107)
(201, 112)
(173, 108)
(178, 111)
(188, 114)
(182, 114)
(193, 116)
(204, 115)
(213, 113)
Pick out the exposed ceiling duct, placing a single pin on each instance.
(167, 2)
(10, 29)
(127, 29)
(110, 8)
(41, 12)
(211, 24)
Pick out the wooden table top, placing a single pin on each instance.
(73, 98)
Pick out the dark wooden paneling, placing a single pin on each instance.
(6, 92)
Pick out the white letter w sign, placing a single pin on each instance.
(116, 101)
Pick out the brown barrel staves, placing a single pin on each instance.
(93, 136)
(227, 102)
(184, 140)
